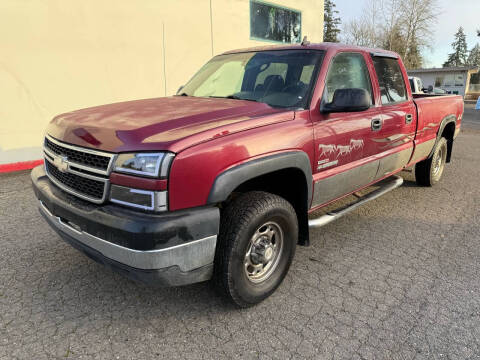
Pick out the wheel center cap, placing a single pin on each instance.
(268, 253)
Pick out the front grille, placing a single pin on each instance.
(78, 156)
(78, 185)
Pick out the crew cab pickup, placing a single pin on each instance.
(217, 182)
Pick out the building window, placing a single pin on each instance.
(270, 22)
(438, 81)
(458, 79)
(449, 80)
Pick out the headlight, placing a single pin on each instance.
(144, 164)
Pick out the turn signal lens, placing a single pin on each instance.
(140, 199)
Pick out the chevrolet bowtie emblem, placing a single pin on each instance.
(61, 163)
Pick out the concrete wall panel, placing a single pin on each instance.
(61, 55)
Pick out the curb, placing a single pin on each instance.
(24, 165)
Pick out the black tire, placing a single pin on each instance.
(249, 216)
(429, 171)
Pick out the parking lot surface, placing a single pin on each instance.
(396, 279)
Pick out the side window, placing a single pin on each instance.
(347, 71)
(390, 80)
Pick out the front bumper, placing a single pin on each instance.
(170, 249)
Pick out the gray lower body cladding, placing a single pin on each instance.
(335, 186)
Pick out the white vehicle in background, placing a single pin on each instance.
(417, 87)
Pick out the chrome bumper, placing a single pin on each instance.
(186, 257)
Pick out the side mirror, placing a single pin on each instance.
(348, 100)
(430, 88)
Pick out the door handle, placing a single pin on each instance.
(408, 119)
(376, 124)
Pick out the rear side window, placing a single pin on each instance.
(390, 80)
(347, 71)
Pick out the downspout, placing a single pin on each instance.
(164, 60)
(211, 26)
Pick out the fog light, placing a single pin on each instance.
(140, 199)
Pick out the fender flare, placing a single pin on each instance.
(231, 178)
(446, 120)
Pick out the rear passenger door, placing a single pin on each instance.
(393, 141)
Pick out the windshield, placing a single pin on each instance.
(282, 78)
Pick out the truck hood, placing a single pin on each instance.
(170, 123)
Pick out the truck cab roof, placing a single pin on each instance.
(316, 46)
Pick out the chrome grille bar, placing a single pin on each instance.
(81, 151)
(67, 174)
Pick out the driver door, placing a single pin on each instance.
(343, 141)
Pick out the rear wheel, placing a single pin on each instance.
(429, 171)
(256, 245)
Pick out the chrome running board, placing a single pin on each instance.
(323, 220)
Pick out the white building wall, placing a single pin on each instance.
(61, 55)
(449, 82)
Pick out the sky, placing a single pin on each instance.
(453, 14)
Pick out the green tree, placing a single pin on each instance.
(414, 59)
(403, 26)
(474, 60)
(460, 52)
(474, 56)
(395, 40)
(330, 22)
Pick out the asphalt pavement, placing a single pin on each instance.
(396, 279)
(471, 116)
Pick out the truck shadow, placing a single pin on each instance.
(352, 266)
(75, 288)
(90, 287)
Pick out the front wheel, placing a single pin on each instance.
(256, 245)
(429, 171)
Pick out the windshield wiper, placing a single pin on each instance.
(232, 97)
(183, 94)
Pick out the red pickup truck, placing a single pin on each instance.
(218, 181)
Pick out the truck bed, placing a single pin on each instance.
(432, 110)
